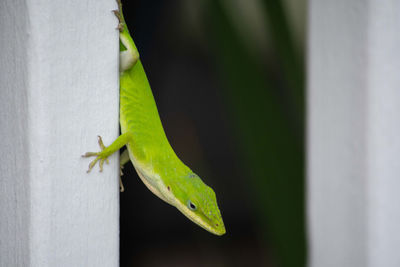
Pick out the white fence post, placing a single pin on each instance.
(354, 133)
(58, 91)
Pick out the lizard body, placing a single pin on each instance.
(147, 145)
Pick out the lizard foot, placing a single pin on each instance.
(121, 185)
(100, 156)
(118, 14)
(120, 26)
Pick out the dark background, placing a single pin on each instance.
(228, 79)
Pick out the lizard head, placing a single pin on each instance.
(198, 202)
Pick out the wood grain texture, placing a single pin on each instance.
(59, 90)
(353, 128)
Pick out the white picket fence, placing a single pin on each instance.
(58, 91)
(353, 138)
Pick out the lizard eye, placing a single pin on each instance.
(191, 205)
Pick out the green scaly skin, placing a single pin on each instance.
(149, 150)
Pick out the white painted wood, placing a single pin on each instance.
(58, 91)
(353, 133)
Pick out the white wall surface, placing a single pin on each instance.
(58, 91)
(353, 133)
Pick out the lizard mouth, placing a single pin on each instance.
(217, 229)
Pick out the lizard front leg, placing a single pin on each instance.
(105, 152)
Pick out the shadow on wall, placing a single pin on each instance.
(229, 83)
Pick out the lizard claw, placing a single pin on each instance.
(121, 185)
(120, 170)
(117, 13)
(120, 26)
(100, 156)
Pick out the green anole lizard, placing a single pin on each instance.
(148, 148)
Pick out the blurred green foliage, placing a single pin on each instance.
(268, 117)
